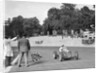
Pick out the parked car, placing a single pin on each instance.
(88, 38)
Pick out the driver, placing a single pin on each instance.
(63, 49)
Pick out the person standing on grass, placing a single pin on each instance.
(8, 52)
(23, 47)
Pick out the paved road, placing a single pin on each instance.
(87, 60)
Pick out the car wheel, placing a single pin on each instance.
(60, 58)
(55, 55)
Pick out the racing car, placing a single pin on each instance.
(62, 56)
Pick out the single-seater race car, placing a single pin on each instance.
(62, 56)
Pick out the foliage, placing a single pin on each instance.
(66, 18)
(20, 25)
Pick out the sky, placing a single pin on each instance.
(31, 9)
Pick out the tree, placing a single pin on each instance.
(53, 13)
(31, 26)
(59, 19)
(86, 18)
(7, 30)
(68, 6)
(68, 18)
(14, 27)
(17, 25)
(20, 25)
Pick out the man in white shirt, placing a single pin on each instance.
(8, 52)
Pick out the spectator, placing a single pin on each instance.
(8, 52)
(23, 47)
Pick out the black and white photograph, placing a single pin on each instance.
(44, 36)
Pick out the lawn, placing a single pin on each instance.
(86, 55)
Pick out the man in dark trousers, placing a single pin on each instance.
(23, 47)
